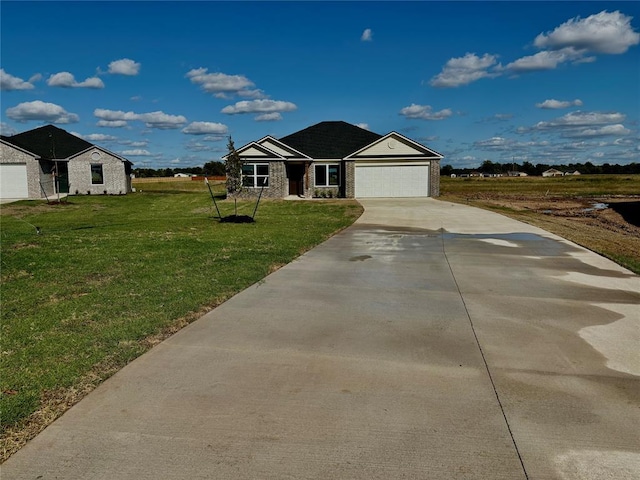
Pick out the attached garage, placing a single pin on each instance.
(391, 180)
(13, 181)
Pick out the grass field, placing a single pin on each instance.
(569, 186)
(107, 277)
(563, 205)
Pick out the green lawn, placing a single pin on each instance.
(82, 298)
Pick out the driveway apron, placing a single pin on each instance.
(430, 340)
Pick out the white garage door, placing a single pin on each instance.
(13, 181)
(392, 181)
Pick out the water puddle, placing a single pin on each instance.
(596, 206)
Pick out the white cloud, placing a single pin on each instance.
(205, 128)
(582, 119)
(605, 32)
(269, 117)
(424, 112)
(367, 35)
(67, 80)
(175, 161)
(41, 111)
(6, 129)
(259, 106)
(464, 70)
(112, 123)
(159, 120)
(138, 152)
(607, 130)
(124, 66)
(162, 120)
(130, 143)
(8, 82)
(199, 147)
(257, 93)
(97, 137)
(493, 143)
(221, 83)
(552, 104)
(545, 60)
(364, 126)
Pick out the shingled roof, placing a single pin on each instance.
(330, 140)
(49, 142)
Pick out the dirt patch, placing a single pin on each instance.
(608, 225)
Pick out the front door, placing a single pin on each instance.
(62, 177)
(295, 172)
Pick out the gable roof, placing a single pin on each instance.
(49, 142)
(279, 147)
(330, 140)
(394, 140)
(254, 150)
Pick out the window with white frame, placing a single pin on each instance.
(327, 175)
(255, 175)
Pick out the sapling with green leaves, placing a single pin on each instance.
(233, 169)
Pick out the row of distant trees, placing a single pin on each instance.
(210, 169)
(217, 169)
(529, 168)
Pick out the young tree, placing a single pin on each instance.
(233, 169)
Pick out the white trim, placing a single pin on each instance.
(432, 153)
(327, 165)
(392, 180)
(255, 175)
(283, 145)
(394, 163)
(257, 146)
(119, 157)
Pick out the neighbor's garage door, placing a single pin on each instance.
(13, 181)
(392, 180)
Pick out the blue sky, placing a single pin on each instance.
(165, 83)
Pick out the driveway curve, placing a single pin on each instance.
(430, 340)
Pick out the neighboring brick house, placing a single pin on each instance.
(48, 160)
(340, 160)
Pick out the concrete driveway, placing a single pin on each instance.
(428, 341)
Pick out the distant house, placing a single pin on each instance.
(575, 172)
(184, 175)
(339, 159)
(552, 172)
(516, 174)
(48, 160)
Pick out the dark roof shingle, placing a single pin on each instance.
(49, 142)
(330, 139)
